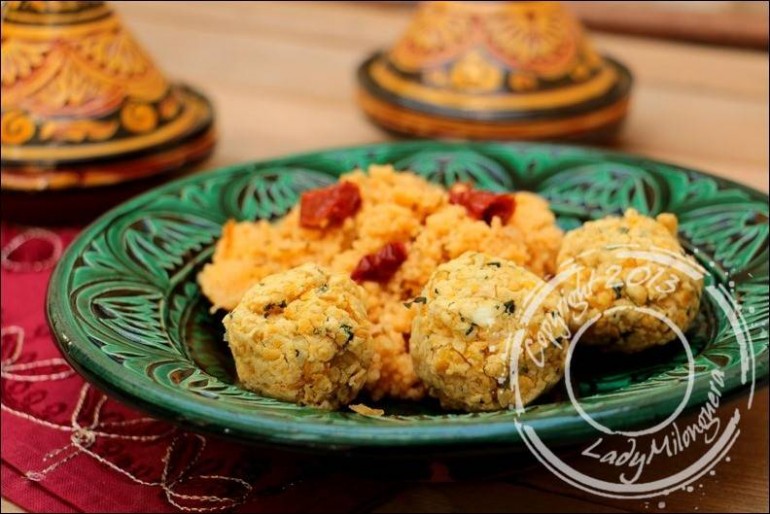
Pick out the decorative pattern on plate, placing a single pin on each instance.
(127, 312)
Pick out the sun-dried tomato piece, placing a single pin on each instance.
(320, 208)
(380, 266)
(483, 205)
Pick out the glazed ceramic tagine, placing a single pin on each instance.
(87, 117)
(495, 70)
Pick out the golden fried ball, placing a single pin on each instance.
(302, 336)
(620, 267)
(462, 334)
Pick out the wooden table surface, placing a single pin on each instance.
(282, 78)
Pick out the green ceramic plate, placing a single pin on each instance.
(127, 313)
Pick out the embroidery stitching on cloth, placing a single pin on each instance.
(124, 454)
(84, 436)
(39, 238)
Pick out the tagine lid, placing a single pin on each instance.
(83, 104)
(494, 70)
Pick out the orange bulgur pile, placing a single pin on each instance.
(396, 206)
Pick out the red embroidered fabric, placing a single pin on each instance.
(66, 447)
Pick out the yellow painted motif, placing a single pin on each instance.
(592, 88)
(468, 69)
(138, 117)
(72, 75)
(195, 110)
(19, 59)
(536, 37)
(16, 128)
(77, 131)
(169, 106)
(474, 73)
(522, 81)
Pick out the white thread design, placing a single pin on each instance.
(20, 239)
(83, 438)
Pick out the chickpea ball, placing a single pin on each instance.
(302, 336)
(463, 334)
(626, 266)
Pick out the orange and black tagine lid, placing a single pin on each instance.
(87, 117)
(495, 70)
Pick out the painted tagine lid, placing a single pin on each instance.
(495, 70)
(84, 106)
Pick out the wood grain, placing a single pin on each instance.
(281, 75)
(6, 506)
(724, 27)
